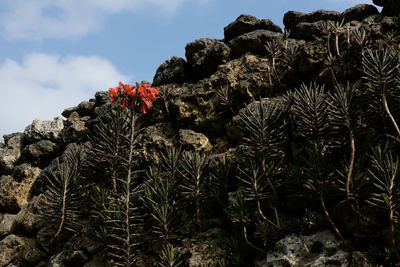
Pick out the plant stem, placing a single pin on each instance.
(321, 199)
(351, 165)
(247, 240)
(385, 104)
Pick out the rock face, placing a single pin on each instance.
(253, 42)
(320, 249)
(204, 56)
(391, 8)
(41, 153)
(292, 18)
(40, 130)
(171, 71)
(247, 23)
(358, 12)
(10, 152)
(11, 247)
(194, 141)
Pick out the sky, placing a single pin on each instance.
(55, 54)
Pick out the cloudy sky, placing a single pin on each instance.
(56, 53)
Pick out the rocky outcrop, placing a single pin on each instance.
(191, 140)
(44, 129)
(171, 71)
(253, 42)
(10, 152)
(247, 23)
(390, 8)
(204, 56)
(292, 18)
(358, 12)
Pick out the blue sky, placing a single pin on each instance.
(56, 53)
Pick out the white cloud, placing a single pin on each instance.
(43, 85)
(38, 19)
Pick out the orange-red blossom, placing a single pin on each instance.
(140, 96)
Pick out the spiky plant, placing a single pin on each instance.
(222, 173)
(274, 51)
(257, 185)
(165, 96)
(169, 256)
(310, 111)
(225, 99)
(344, 113)
(108, 145)
(337, 28)
(380, 73)
(62, 198)
(290, 56)
(195, 176)
(162, 207)
(263, 127)
(317, 172)
(386, 179)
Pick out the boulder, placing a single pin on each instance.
(11, 248)
(292, 18)
(6, 223)
(380, 2)
(75, 127)
(358, 12)
(320, 249)
(170, 71)
(25, 171)
(204, 55)
(191, 140)
(253, 42)
(28, 220)
(10, 152)
(247, 23)
(391, 8)
(308, 31)
(68, 111)
(102, 98)
(85, 108)
(44, 129)
(68, 258)
(13, 194)
(41, 153)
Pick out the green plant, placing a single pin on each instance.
(386, 174)
(169, 256)
(195, 176)
(61, 200)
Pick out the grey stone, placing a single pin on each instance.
(28, 219)
(292, 18)
(11, 248)
(309, 30)
(319, 249)
(67, 112)
(189, 139)
(41, 153)
(44, 129)
(358, 12)
(24, 171)
(253, 42)
(171, 71)
(6, 222)
(84, 108)
(68, 258)
(10, 152)
(247, 23)
(391, 8)
(102, 98)
(204, 55)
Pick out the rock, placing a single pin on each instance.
(98, 260)
(85, 108)
(380, 2)
(6, 222)
(360, 259)
(292, 18)
(358, 12)
(13, 194)
(28, 219)
(206, 250)
(252, 42)
(25, 171)
(44, 129)
(11, 247)
(308, 31)
(204, 55)
(247, 23)
(41, 153)
(67, 112)
(10, 152)
(75, 127)
(102, 98)
(320, 249)
(191, 140)
(68, 258)
(171, 71)
(391, 8)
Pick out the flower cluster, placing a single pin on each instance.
(140, 96)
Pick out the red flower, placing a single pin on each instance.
(140, 96)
